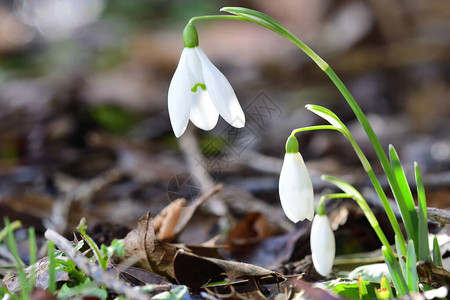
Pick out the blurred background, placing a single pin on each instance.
(84, 127)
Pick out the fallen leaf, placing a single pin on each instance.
(166, 221)
(195, 271)
(151, 254)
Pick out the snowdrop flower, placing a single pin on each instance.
(199, 91)
(295, 187)
(323, 246)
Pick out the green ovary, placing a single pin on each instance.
(194, 88)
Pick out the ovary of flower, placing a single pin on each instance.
(323, 246)
(295, 189)
(200, 92)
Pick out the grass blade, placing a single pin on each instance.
(362, 288)
(396, 273)
(437, 257)
(423, 247)
(406, 201)
(412, 279)
(32, 254)
(12, 245)
(51, 266)
(400, 257)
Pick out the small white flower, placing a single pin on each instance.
(323, 246)
(200, 92)
(295, 188)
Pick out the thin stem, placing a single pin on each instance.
(279, 29)
(311, 128)
(215, 17)
(373, 178)
(333, 196)
(265, 21)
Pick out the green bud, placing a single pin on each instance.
(292, 145)
(190, 36)
(320, 210)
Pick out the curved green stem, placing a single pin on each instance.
(311, 128)
(353, 193)
(261, 19)
(373, 178)
(215, 17)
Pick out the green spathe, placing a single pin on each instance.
(190, 36)
(320, 210)
(292, 145)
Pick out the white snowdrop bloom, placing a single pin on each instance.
(295, 187)
(199, 91)
(323, 247)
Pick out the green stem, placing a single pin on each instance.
(311, 128)
(373, 178)
(351, 191)
(215, 17)
(370, 133)
(266, 21)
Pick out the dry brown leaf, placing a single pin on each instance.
(151, 254)
(166, 221)
(195, 271)
(253, 228)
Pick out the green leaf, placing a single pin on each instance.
(405, 202)
(396, 273)
(81, 291)
(256, 17)
(328, 115)
(437, 257)
(400, 256)
(423, 247)
(362, 288)
(385, 291)
(175, 294)
(412, 280)
(350, 289)
(51, 266)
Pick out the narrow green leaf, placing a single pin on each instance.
(423, 247)
(412, 279)
(396, 274)
(51, 266)
(13, 226)
(437, 257)
(400, 257)
(12, 245)
(256, 17)
(326, 114)
(405, 202)
(386, 285)
(32, 255)
(362, 288)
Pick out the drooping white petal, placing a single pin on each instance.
(221, 92)
(194, 68)
(295, 188)
(203, 113)
(178, 98)
(323, 247)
